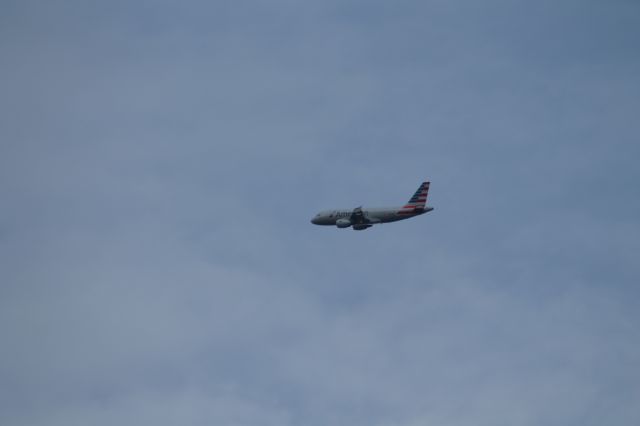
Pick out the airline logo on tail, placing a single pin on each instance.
(418, 201)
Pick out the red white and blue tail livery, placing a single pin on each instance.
(360, 219)
(418, 201)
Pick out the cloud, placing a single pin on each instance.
(160, 164)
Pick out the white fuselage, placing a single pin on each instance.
(360, 219)
(371, 216)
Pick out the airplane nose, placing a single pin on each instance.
(314, 221)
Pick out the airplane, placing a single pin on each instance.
(361, 219)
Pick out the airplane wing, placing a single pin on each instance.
(358, 220)
(357, 217)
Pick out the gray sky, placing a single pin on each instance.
(160, 162)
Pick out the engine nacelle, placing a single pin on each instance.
(343, 223)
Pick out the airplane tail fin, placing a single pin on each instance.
(419, 199)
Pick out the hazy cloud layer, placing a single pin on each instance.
(160, 162)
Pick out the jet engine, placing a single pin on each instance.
(343, 223)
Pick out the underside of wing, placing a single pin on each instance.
(359, 220)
